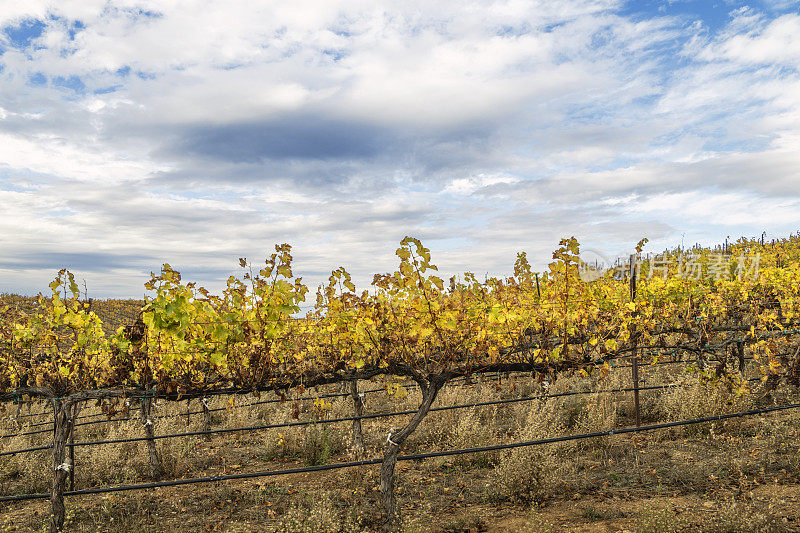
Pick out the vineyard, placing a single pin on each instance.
(522, 386)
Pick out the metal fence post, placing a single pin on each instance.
(635, 366)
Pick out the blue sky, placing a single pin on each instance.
(134, 133)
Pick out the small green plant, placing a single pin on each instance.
(619, 480)
(320, 445)
(274, 490)
(590, 513)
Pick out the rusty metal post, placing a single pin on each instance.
(635, 365)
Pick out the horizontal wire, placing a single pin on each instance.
(456, 381)
(277, 400)
(350, 418)
(330, 395)
(407, 457)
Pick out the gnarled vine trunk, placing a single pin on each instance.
(206, 418)
(156, 470)
(740, 355)
(358, 408)
(18, 418)
(394, 444)
(794, 368)
(64, 414)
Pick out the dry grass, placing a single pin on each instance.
(733, 517)
(692, 398)
(27, 472)
(311, 515)
(528, 474)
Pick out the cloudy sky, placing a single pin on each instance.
(195, 132)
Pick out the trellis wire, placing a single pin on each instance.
(343, 419)
(409, 457)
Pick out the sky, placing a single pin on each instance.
(134, 133)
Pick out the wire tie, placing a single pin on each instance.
(389, 438)
(65, 466)
(148, 422)
(204, 401)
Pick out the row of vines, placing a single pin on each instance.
(410, 325)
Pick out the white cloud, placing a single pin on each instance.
(201, 131)
(66, 158)
(466, 186)
(775, 43)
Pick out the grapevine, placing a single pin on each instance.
(411, 324)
